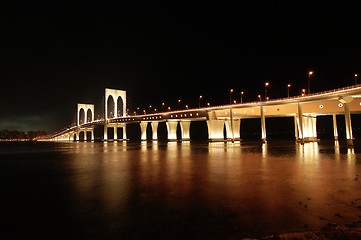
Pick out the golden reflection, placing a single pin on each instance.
(337, 149)
(216, 145)
(154, 145)
(350, 155)
(264, 151)
(310, 153)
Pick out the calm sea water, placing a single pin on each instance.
(189, 190)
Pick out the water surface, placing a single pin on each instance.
(174, 190)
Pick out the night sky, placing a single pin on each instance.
(55, 56)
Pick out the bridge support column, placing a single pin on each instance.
(215, 130)
(263, 126)
(185, 126)
(335, 133)
(105, 135)
(115, 133)
(300, 124)
(349, 136)
(154, 130)
(143, 130)
(235, 134)
(309, 129)
(172, 130)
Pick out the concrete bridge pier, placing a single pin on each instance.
(172, 130)
(263, 126)
(233, 129)
(154, 126)
(309, 128)
(143, 130)
(346, 104)
(115, 132)
(349, 136)
(335, 133)
(185, 130)
(215, 130)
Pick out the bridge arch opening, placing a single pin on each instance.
(81, 116)
(120, 108)
(110, 107)
(89, 115)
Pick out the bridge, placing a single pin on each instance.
(224, 121)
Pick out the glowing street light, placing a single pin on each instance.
(199, 101)
(162, 106)
(230, 96)
(303, 92)
(259, 97)
(242, 97)
(208, 104)
(288, 90)
(179, 103)
(356, 75)
(150, 108)
(309, 77)
(186, 106)
(265, 89)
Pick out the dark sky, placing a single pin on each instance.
(55, 56)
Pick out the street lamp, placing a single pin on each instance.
(303, 92)
(208, 104)
(162, 106)
(242, 97)
(179, 103)
(230, 96)
(288, 90)
(150, 108)
(265, 89)
(187, 106)
(356, 75)
(199, 101)
(259, 97)
(309, 77)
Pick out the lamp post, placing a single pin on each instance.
(242, 97)
(208, 104)
(150, 109)
(356, 75)
(199, 101)
(288, 90)
(303, 92)
(265, 89)
(230, 96)
(179, 103)
(309, 77)
(259, 97)
(162, 106)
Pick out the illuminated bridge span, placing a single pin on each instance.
(228, 118)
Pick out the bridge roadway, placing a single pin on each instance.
(304, 110)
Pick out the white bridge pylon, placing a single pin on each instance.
(86, 111)
(115, 106)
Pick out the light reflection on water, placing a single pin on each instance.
(181, 189)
